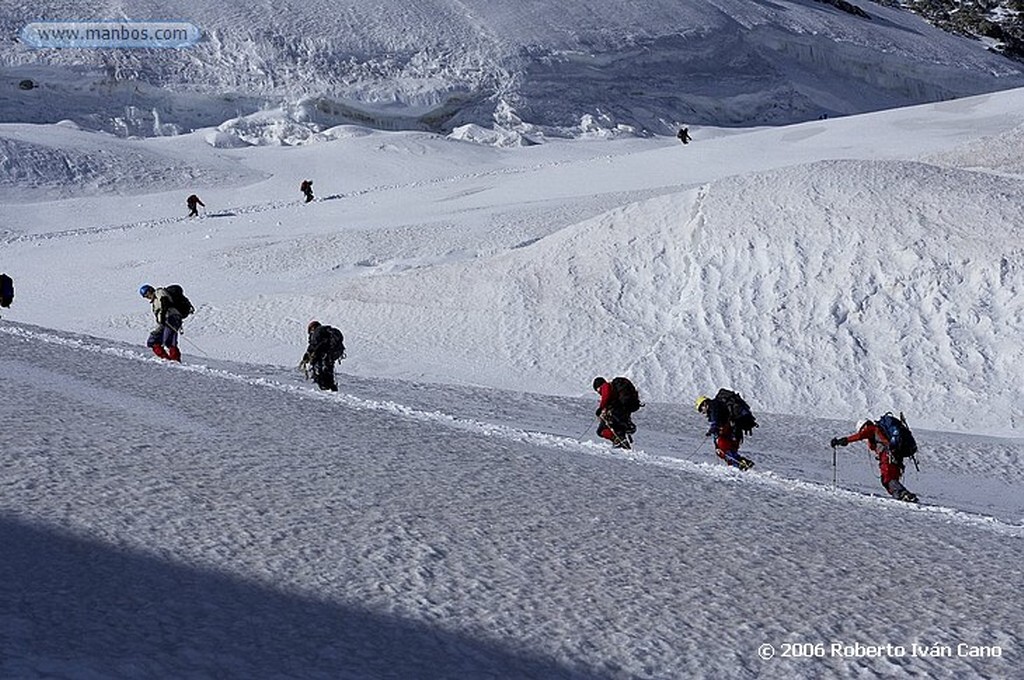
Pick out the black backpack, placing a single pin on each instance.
(901, 439)
(740, 415)
(6, 290)
(179, 301)
(337, 346)
(626, 395)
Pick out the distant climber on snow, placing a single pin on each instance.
(891, 441)
(193, 204)
(619, 400)
(729, 419)
(326, 347)
(6, 291)
(307, 189)
(170, 307)
(684, 135)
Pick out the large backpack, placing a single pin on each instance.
(337, 346)
(901, 439)
(179, 301)
(740, 415)
(626, 395)
(6, 290)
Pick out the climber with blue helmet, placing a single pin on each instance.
(168, 322)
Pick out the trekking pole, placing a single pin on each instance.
(588, 428)
(198, 348)
(699, 447)
(833, 469)
(182, 335)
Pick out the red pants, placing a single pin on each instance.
(889, 470)
(726, 445)
(727, 448)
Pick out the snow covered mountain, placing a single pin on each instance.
(539, 69)
(997, 23)
(450, 511)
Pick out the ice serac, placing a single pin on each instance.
(553, 70)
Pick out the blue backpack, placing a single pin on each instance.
(901, 439)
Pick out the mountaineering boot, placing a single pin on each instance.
(174, 354)
(159, 351)
(900, 493)
(733, 459)
(326, 384)
(621, 441)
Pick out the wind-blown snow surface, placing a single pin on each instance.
(219, 520)
(536, 69)
(222, 518)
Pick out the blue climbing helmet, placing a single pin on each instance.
(145, 289)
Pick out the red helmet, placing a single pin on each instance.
(313, 325)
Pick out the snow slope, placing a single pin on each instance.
(540, 69)
(839, 266)
(219, 519)
(64, 161)
(450, 512)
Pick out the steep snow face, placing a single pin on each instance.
(862, 300)
(440, 64)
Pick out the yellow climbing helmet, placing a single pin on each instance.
(701, 400)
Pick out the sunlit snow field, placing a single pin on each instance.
(450, 511)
